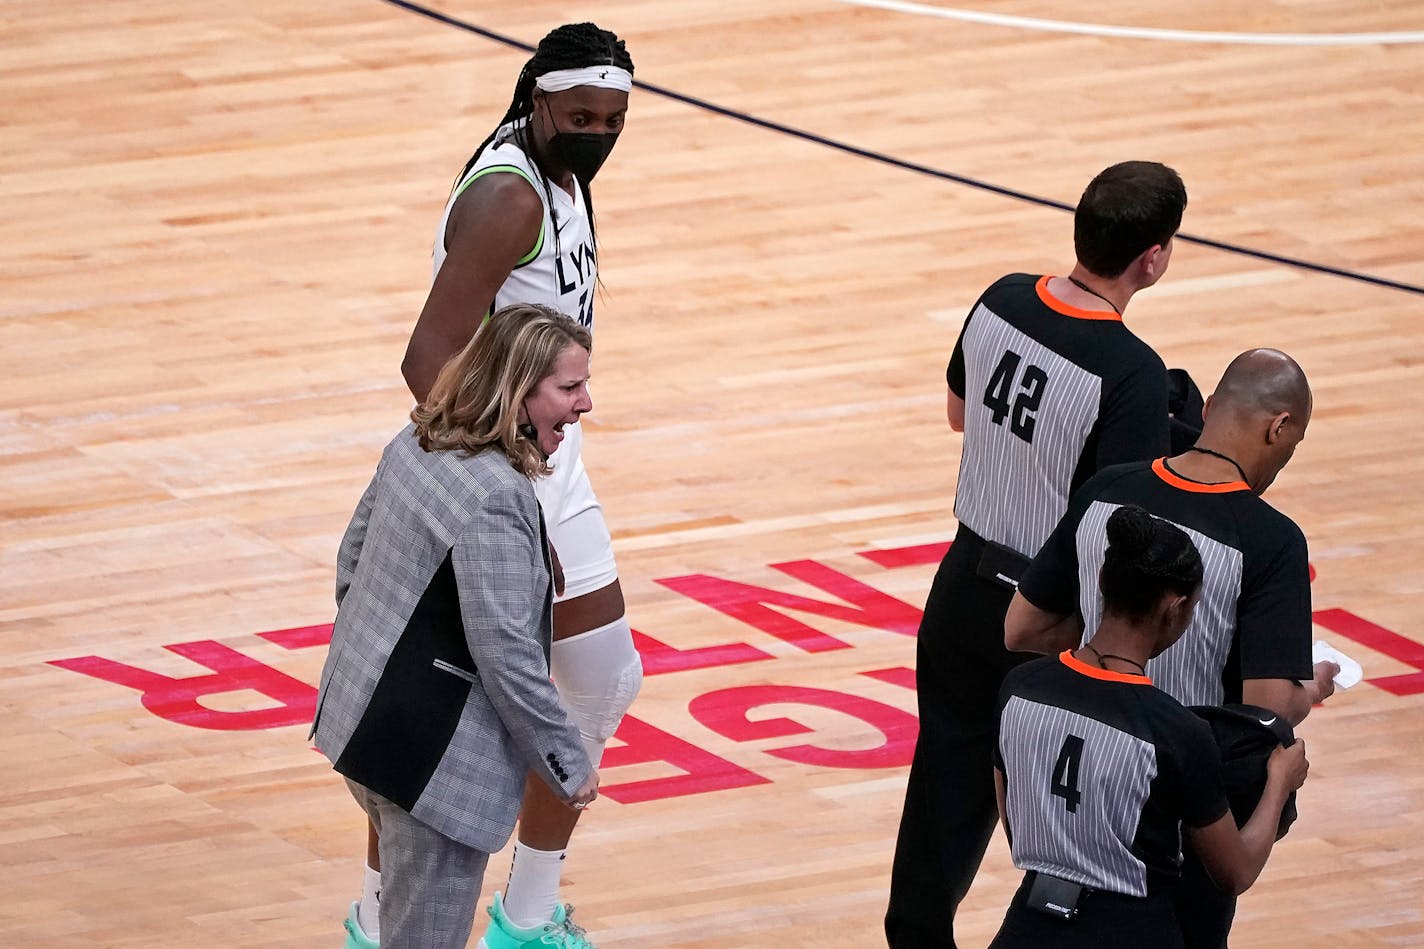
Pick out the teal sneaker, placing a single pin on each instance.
(560, 932)
(356, 937)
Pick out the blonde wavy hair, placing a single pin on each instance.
(474, 404)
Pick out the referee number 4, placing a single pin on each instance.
(1019, 407)
(1064, 780)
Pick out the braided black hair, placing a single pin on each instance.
(571, 46)
(1146, 557)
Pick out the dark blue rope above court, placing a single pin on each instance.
(910, 165)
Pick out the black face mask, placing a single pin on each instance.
(583, 153)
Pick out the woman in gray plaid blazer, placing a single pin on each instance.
(435, 698)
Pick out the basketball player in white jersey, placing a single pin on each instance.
(519, 228)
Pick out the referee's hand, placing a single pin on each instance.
(1288, 766)
(1323, 685)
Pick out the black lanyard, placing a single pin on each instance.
(1216, 454)
(1087, 289)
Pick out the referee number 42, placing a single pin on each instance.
(1064, 780)
(1019, 407)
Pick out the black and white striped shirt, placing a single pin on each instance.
(1253, 620)
(1052, 394)
(1100, 771)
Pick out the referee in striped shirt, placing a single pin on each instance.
(1048, 386)
(1099, 773)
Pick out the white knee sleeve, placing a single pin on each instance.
(598, 674)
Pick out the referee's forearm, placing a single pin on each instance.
(1027, 628)
(1286, 697)
(1259, 834)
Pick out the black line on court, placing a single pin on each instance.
(910, 165)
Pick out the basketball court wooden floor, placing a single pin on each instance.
(215, 238)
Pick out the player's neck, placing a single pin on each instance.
(562, 178)
(549, 166)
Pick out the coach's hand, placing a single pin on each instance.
(586, 794)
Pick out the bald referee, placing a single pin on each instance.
(1250, 637)
(1048, 386)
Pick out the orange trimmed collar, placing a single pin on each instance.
(1058, 306)
(1079, 666)
(1160, 469)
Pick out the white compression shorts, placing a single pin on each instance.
(574, 519)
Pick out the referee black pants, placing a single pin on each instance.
(1204, 912)
(1104, 921)
(950, 806)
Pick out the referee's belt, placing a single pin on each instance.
(1002, 565)
(1055, 895)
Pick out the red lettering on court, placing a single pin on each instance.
(701, 771)
(300, 637)
(176, 699)
(897, 675)
(908, 556)
(1381, 640)
(725, 712)
(659, 657)
(753, 604)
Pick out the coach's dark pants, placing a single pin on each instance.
(950, 807)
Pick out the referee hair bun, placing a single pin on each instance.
(1146, 557)
(1131, 531)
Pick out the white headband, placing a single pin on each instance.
(604, 77)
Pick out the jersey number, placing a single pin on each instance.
(1064, 781)
(1020, 412)
(585, 309)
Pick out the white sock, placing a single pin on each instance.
(533, 889)
(368, 914)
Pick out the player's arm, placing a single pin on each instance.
(1233, 858)
(493, 224)
(1027, 628)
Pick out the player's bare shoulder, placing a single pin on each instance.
(501, 203)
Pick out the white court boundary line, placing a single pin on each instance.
(1142, 33)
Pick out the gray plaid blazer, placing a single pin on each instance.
(436, 691)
